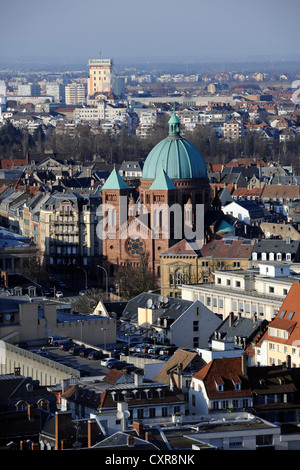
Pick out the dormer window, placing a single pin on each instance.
(220, 387)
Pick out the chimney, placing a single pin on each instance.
(288, 361)
(231, 314)
(244, 359)
(148, 436)
(138, 427)
(35, 446)
(30, 411)
(130, 441)
(91, 432)
(62, 429)
(138, 379)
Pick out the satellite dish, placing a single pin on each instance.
(120, 415)
(149, 303)
(7, 316)
(126, 414)
(165, 299)
(160, 298)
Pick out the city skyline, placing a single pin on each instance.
(170, 30)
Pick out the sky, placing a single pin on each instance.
(76, 30)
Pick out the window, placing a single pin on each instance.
(195, 326)
(235, 442)
(271, 289)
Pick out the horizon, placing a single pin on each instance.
(165, 32)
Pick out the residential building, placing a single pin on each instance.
(68, 224)
(275, 392)
(100, 76)
(286, 251)
(221, 385)
(282, 340)
(134, 401)
(232, 129)
(29, 89)
(131, 169)
(246, 211)
(256, 291)
(56, 91)
(75, 93)
(169, 321)
(232, 337)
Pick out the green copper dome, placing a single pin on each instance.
(178, 157)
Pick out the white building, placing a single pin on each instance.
(75, 93)
(256, 291)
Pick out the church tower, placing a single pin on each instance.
(174, 182)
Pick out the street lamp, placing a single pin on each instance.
(86, 282)
(104, 329)
(106, 275)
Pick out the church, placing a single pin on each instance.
(174, 190)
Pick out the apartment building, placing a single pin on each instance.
(75, 93)
(56, 91)
(232, 129)
(256, 291)
(281, 342)
(68, 224)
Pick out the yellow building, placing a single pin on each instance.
(100, 76)
(184, 264)
(281, 342)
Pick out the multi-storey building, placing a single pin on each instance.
(68, 224)
(281, 342)
(75, 93)
(100, 76)
(56, 90)
(256, 291)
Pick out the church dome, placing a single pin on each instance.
(178, 157)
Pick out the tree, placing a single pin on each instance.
(134, 280)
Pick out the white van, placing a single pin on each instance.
(57, 340)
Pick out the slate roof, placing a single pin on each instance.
(118, 441)
(170, 308)
(277, 246)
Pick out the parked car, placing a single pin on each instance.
(129, 368)
(59, 294)
(154, 349)
(168, 351)
(106, 361)
(86, 351)
(66, 346)
(96, 355)
(116, 364)
(75, 350)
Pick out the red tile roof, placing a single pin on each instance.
(226, 371)
(217, 249)
(288, 319)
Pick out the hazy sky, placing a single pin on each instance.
(82, 29)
